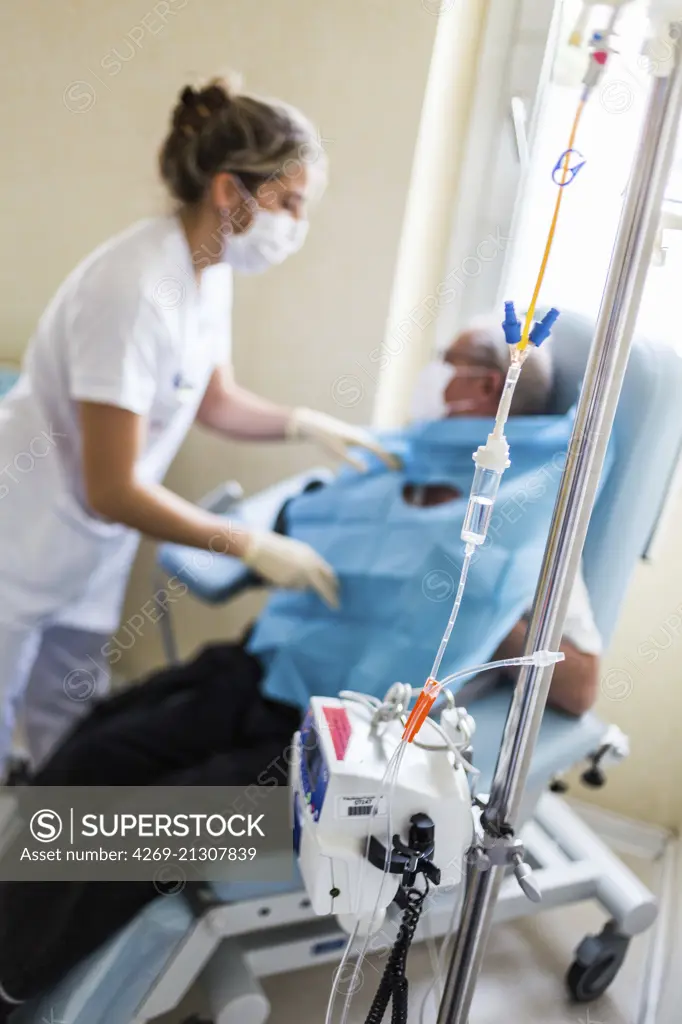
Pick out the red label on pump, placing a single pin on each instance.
(339, 730)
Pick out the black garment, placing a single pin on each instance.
(200, 724)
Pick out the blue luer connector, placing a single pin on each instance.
(542, 330)
(511, 325)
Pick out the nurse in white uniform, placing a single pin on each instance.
(133, 349)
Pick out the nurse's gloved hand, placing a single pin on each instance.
(290, 563)
(337, 437)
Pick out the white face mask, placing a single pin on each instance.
(269, 239)
(428, 397)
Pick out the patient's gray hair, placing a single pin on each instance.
(489, 348)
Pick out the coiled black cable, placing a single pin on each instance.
(394, 984)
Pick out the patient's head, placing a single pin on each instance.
(469, 377)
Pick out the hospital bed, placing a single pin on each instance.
(230, 936)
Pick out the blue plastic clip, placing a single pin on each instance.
(543, 328)
(570, 171)
(511, 325)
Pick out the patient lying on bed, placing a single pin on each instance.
(225, 717)
(468, 382)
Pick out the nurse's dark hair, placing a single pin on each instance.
(217, 128)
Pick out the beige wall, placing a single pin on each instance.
(641, 689)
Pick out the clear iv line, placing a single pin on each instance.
(468, 553)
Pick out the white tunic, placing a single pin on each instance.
(129, 327)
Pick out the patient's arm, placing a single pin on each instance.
(575, 680)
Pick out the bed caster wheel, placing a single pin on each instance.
(594, 777)
(597, 961)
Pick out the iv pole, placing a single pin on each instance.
(594, 418)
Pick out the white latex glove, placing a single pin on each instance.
(337, 437)
(290, 563)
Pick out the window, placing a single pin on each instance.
(591, 207)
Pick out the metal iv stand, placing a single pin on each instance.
(594, 419)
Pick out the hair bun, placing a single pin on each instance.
(215, 127)
(197, 104)
(231, 83)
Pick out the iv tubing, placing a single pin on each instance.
(432, 688)
(594, 419)
(468, 553)
(387, 787)
(513, 374)
(539, 658)
(386, 790)
(552, 230)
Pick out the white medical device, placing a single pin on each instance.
(344, 817)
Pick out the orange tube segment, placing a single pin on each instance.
(420, 711)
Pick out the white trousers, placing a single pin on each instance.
(49, 678)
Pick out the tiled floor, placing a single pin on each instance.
(522, 980)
